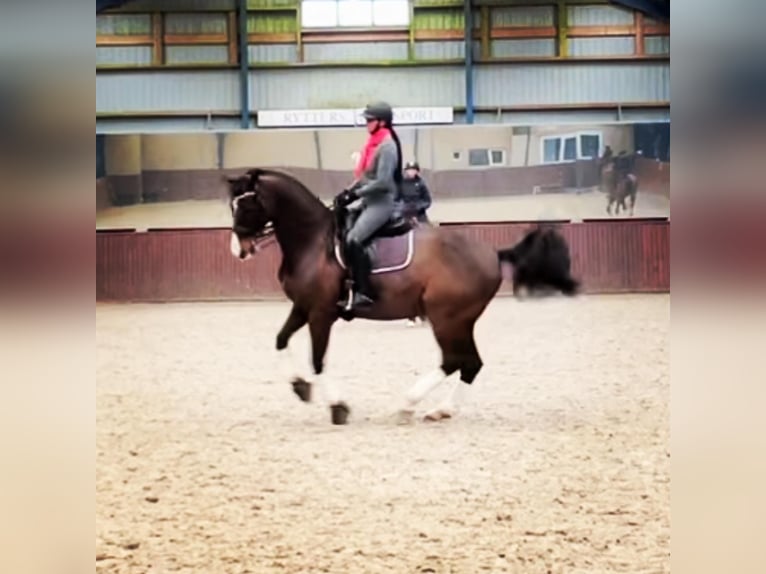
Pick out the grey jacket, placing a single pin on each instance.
(377, 184)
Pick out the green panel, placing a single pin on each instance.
(195, 23)
(430, 3)
(123, 24)
(535, 2)
(177, 6)
(271, 23)
(273, 4)
(443, 19)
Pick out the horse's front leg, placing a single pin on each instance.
(319, 327)
(294, 322)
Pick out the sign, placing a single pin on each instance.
(349, 117)
(411, 116)
(304, 118)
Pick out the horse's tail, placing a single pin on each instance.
(567, 285)
(541, 259)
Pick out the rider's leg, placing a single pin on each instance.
(370, 220)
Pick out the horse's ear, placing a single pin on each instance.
(254, 174)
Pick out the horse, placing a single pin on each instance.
(417, 271)
(619, 182)
(415, 222)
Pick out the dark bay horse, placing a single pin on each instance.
(446, 277)
(619, 182)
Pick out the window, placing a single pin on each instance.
(590, 145)
(570, 147)
(486, 157)
(551, 150)
(478, 157)
(354, 13)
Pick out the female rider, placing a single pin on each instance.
(378, 177)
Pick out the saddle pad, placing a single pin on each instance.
(387, 254)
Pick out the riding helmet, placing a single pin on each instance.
(412, 165)
(378, 111)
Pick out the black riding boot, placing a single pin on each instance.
(360, 271)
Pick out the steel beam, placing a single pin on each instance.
(657, 9)
(244, 65)
(468, 15)
(102, 5)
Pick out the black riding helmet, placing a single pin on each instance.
(412, 165)
(379, 111)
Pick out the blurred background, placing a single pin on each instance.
(507, 106)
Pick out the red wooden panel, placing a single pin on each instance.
(196, 264)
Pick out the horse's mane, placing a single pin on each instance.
(256, 173)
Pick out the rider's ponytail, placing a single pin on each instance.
(398, 172)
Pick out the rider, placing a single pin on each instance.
(415, 195)
(378, 177)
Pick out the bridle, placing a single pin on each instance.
(267, 230)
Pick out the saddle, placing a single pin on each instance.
(397, 225)
(390, 248)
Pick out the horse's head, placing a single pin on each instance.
(250, 213)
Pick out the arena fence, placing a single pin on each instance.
(159, 265)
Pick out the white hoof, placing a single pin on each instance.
(438, 414)
(405, 417)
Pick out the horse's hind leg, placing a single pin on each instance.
(458, 354)
(422, 387)
(433, 379)
(467, 355)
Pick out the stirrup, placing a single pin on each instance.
(347, 303)
(352, 303)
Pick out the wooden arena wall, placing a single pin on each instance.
(195, 264)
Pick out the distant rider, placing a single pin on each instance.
(416, 197)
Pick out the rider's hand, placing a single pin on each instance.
(346, 197)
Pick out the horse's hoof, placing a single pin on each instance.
(437, 415)
(339, 413)
(302, 389)
(405, 417)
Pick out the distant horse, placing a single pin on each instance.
(619, 182)
(422, 271)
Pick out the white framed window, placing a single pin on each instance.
(354, 13)
(571, 147)
(319, 13)
(483, 157)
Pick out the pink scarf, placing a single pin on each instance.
(369, 151)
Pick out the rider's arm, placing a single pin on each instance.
(384, 175)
